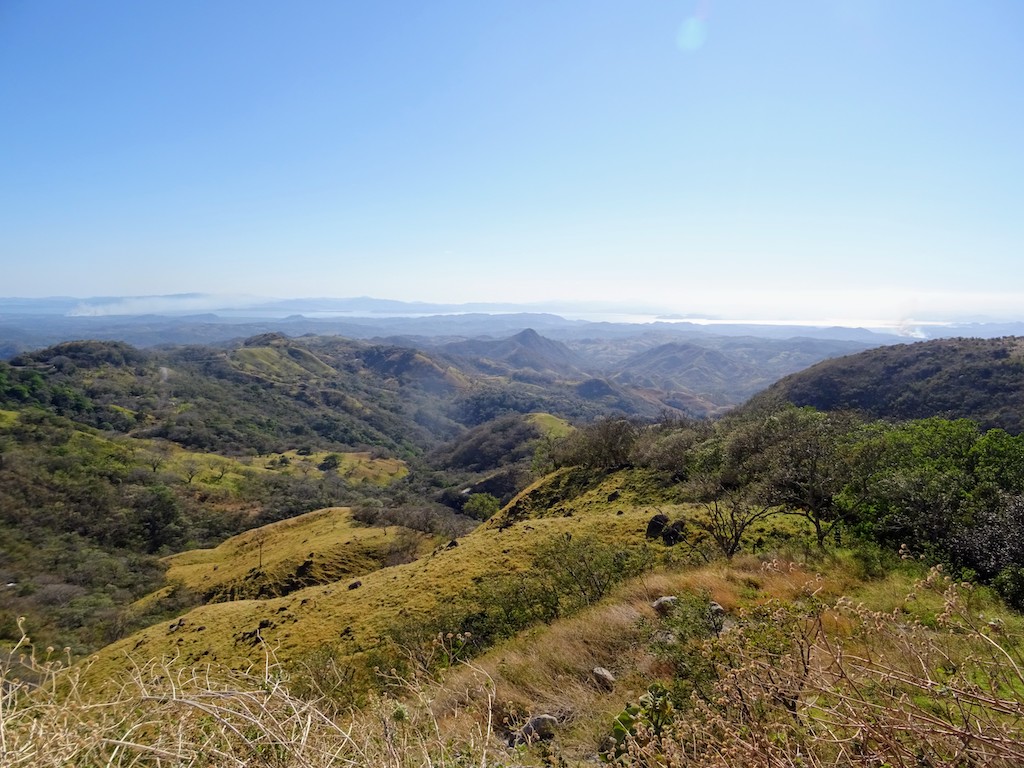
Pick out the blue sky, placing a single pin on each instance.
(818, 159)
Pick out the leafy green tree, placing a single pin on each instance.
(481, 506)
(669, 446)
(914, 481)
(997, 458)
(606, 444)
(727, 518)
(331, 461)
(722, 478)
(803, 469)
(159, 517)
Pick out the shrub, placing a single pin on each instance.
(1010, 585)
(809, 684)
(606, 444)
(568, 574)
(331, 461)
(481, 506)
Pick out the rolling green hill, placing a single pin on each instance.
(373, 624)
(564, 579)
(319, 547)
(111, 457)
(978, 379)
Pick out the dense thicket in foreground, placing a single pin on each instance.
(946, 489)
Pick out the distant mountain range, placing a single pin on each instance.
(527, 350)
(699, 368)
(27, 323)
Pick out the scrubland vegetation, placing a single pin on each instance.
(840, 590)
(791, 675)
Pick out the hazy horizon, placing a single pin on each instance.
(363, 307)
(842, 162)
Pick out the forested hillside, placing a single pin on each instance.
(111, 457)
(978, 379)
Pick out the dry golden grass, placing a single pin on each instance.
(953, 687)
(549, 670)
(207, 471)
(166, 715)
(354, 466)
(272, 363)
(234, 633)
(551, 426)
(544, 669)
(804, 678)
(358, 621)
(815, 683)
(214, 473)
(319, 547)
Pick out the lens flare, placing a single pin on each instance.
(692, 34)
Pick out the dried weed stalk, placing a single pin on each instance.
(165, 715)
(807, 684)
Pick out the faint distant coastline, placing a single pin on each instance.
(241, 308)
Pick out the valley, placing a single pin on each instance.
(465, 530)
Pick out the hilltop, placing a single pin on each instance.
(121, 455)
(521, 355)
(978, 379)
(530, 348)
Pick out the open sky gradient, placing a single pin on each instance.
(798, 159)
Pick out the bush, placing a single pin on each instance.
(605, 444)
(1010, 586)
(481, 506)
(567, 575)
(331, 461)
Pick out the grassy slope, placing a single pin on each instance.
(71, 496)
(546, 669)
(551, 426)
(271, 362)
(354, 466)
(887, 707)
(308, 619)
(315, 548)
(213, 470)
(612, 508)
(551, 670)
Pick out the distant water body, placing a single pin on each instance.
(910, 328)
(906, 327)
